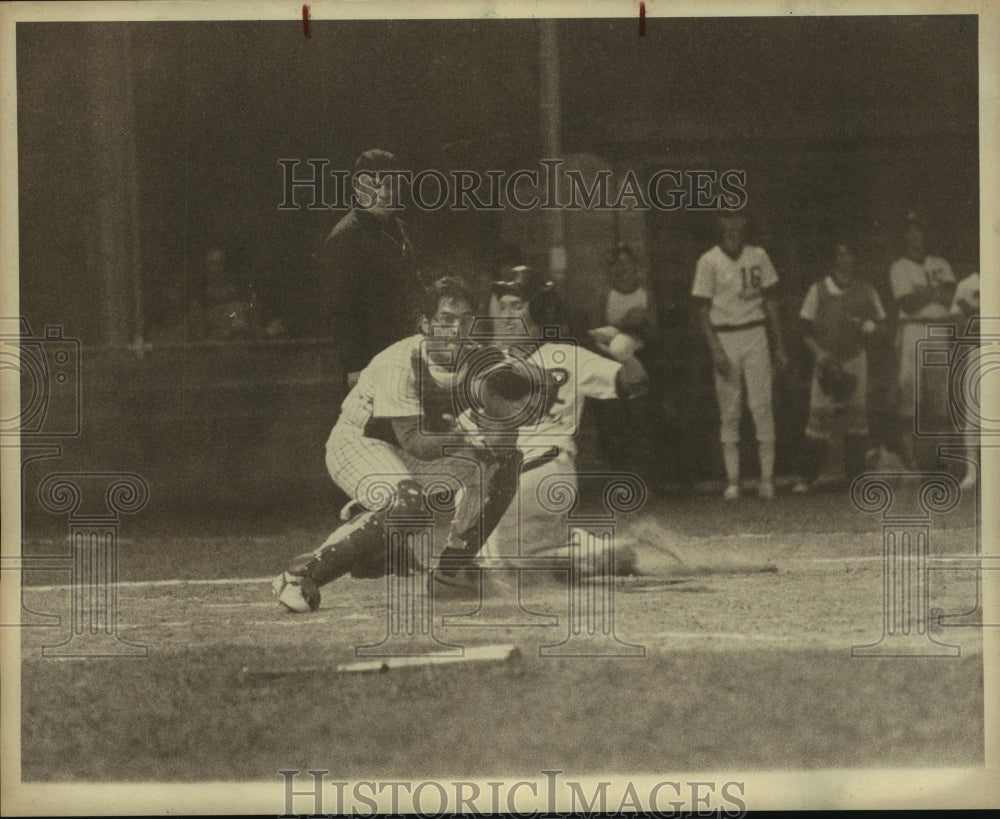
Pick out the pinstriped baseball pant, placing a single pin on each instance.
(368, 470)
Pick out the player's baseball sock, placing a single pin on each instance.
(731, 460)
(358, 547)
(765, 452)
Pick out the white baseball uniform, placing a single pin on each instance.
(906, 276)
(528, 527)
(736, 290)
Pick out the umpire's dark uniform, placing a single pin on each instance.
(369, 285)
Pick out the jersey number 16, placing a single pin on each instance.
(751, 282)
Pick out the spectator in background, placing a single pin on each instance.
(226, 308)
(369, 282)
(630, 432)
(734, 284)
(841, 314)
(626, 303)
(964, 308)
(923, 286)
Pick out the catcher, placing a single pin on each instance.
(388, 448)
(840, 314)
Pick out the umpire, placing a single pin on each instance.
(368, 277)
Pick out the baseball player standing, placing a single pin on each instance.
(734, 284)
(840, 314)
(626, 305)
(923, 286)
(390, 439)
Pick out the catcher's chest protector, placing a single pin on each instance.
(839, 317)
(436, 399)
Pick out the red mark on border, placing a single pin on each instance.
(305, 20)
(642, 20)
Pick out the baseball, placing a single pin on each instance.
(623, 346)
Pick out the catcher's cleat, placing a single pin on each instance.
(296, 593)
(766, 490)
(732, 492)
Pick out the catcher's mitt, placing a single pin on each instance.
(837, 383)
(505, 388)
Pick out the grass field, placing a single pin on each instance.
(747, 615)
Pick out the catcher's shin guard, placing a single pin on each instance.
(342, 550)
(502, 470)
(456, 575)
(357, 547)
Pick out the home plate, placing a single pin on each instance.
(496, 654)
